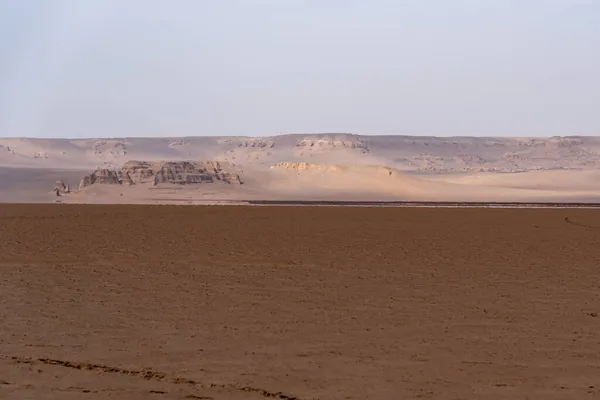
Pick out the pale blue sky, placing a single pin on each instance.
(80, 68)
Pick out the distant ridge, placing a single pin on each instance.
(406, 153)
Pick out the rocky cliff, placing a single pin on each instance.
(184, 173)
(332, 143)
(299, 167)
(101, 176)
(163, 172)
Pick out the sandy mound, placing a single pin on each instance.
(383, 183)
(347, 180)
(557, 180)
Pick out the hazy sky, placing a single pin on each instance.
(72, 68)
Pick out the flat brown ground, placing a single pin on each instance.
(168, 302)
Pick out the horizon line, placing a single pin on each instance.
(298, 134)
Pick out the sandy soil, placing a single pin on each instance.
(363, 183)
(173, 302)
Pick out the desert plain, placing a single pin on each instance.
(240, 302)
(307, 167)
(135, 287)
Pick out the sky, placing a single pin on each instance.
(97, 68)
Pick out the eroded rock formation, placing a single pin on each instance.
(257, 143)
(109, 149)
(7, 148)
(331, 144)
(184, 173)
(102, 176)
(156, 173)
(61, 188)
(137, 172)
(304, 166)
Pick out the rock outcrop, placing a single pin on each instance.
(109, 148)
(137, 172)
(177, 172)
(332, 144)
(299, 167)
(163, 172)
(254, 143)
(103, 176)
(257, 143)
(180, 142)
(60, 185)
(7, 149)
(185, 173)
(61, 188)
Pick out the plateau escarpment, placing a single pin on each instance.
(328, 144)
(408, 153)
(299, 167)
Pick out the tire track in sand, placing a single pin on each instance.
(149, 374)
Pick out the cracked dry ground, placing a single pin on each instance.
(172, 302)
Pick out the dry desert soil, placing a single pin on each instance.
(201, 302)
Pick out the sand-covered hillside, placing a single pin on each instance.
(302, 166)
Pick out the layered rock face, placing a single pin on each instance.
(184, 173)
(137, 172)
(255, 143)
(100, 176)
(258, 143)
(107, 147)
(332, 144)
(301, 167)
(156, 173)
(304, 166)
